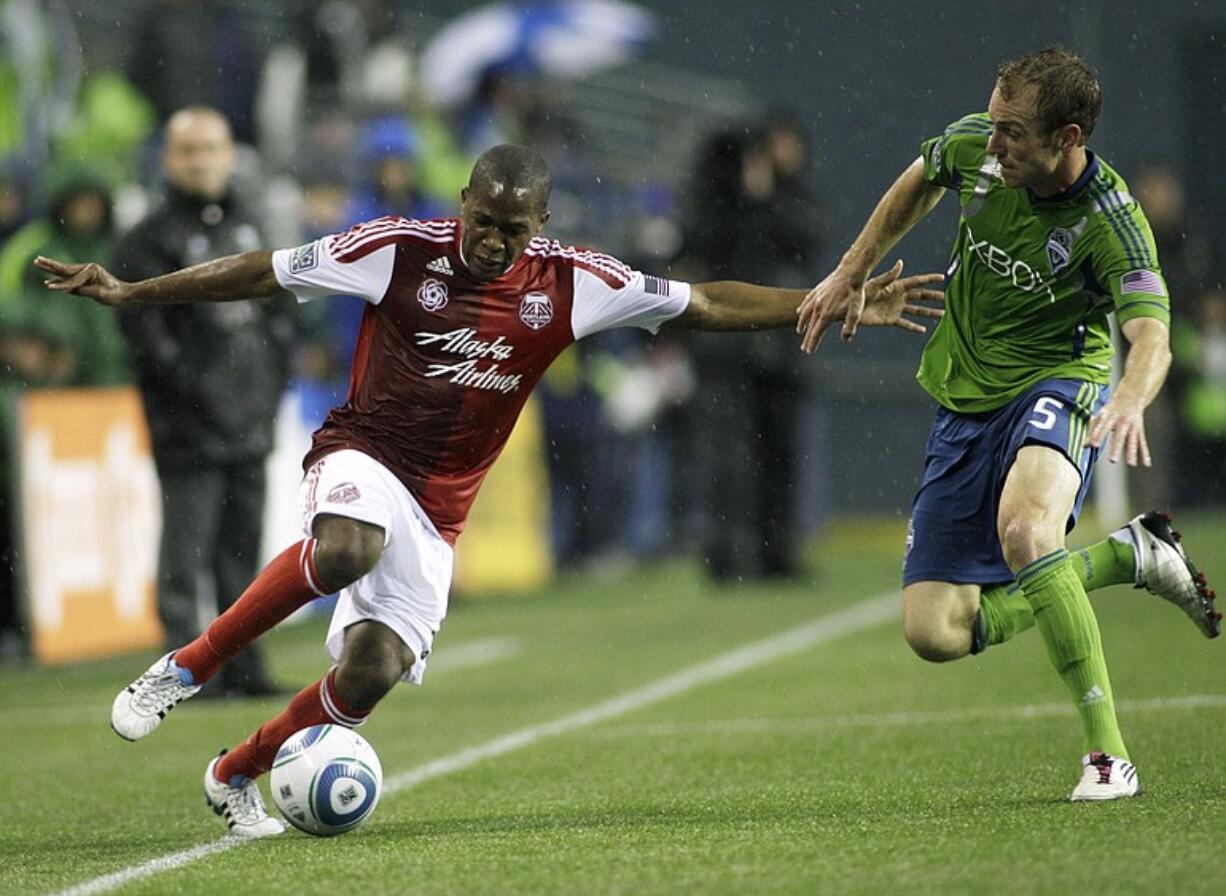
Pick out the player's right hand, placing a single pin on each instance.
(840, 296)
(90, 280)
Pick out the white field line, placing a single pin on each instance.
(463, 656)
(474, 653)
(726, 727)
(857, 618)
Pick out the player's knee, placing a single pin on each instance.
(1023, 540)
(935, 639)
(346, 550)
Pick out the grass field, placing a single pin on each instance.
(653, 735)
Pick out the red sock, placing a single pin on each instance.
(316, 704)
(288, 582)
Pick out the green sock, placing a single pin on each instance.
(1070, 631)
(1003, 613)
(1109, 562)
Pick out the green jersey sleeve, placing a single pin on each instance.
(959, 148)
(1126, 260)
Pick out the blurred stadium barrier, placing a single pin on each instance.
(90, 519)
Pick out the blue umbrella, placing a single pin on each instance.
(563, 38)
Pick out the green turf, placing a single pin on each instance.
(850, 767)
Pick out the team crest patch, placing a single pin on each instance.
(536, 310)
(1059, 249)
(432, 294)
(345, 493)
(304, 258)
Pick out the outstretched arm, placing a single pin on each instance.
(235, 277)
(732, 305)
(841, 295)
(1149, 358)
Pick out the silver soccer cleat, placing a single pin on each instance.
(1163, 568)
(241, 807)
(140, 707)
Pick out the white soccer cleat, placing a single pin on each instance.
(1163, 568)
(141, 706)
(1106, 777)
(241, 807)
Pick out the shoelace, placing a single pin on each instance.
(158, 691)
(246, 804)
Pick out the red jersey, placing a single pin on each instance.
(444, 362)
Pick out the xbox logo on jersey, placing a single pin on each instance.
(536, 310)
(432, 294)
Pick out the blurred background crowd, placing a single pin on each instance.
(664, 151)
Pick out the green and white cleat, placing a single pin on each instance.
(1106, 777)
(240, 806)
(1163, 568)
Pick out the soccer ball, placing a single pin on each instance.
(326, 780)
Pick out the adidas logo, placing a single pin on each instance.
(440, 265)
(1093, 695)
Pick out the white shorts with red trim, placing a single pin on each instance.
(407, 590)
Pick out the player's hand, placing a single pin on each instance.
(838, 297)
(90, 280)
(1122, 418)
(889, 300)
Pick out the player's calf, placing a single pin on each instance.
(938, 619)
(373, 661)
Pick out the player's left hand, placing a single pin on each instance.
(889, 300)
(1124, 419)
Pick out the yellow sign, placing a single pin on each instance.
(505, 546)
(90, 523)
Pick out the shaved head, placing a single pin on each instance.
(502, 209)
(510, 171)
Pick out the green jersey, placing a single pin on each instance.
(1032, 280)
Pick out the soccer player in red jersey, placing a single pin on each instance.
(464, 316)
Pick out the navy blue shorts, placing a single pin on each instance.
(952, 533)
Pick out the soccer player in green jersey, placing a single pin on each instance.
(1049, 243)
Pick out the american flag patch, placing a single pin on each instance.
(657, 286)
(1142, 281)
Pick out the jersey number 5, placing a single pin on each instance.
(1045, 412)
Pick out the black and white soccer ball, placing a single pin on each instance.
(326, 780)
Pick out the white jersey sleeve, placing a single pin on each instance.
(644, 301)
(329, 267)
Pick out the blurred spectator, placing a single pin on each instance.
(109, 126)
(48, 343)
(1186, 255)
(1198, 378)
(59, 343)
(12, 202)
(212, 377)
(751, 216)
(1187, 265)
(390, 150)
(40, 71)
